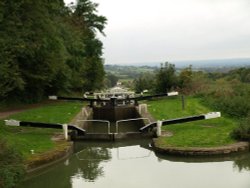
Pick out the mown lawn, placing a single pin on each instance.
(203, 133)
(26, 139)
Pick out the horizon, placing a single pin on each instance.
(213, 62)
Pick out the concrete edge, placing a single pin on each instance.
(197, 151)
(49, 158)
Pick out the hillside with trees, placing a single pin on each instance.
(49, 48)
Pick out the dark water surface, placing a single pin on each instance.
(133, 165)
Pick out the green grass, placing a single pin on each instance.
(52, 113)
(126, 80)
(203, 133)
(25, 139)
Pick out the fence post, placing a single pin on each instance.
(183, 102)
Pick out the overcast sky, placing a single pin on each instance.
(169, 30)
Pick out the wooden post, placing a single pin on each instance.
(183, 102)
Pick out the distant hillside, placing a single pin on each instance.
(133, 71)
(214, 63)
(128, 72)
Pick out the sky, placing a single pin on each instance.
(165, 30)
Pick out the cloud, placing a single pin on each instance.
(146, 30)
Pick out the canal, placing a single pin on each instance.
(129, 164)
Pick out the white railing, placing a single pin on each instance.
(126, 120)
(92, 120)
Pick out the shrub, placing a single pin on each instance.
(229, 98)
(11, 166)
(242, 132)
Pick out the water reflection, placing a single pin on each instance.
(88, 162)
(133, 164)
(242, 162)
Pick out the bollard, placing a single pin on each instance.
(140, 106)
(146, 108)
(158, 131)
(65, 131)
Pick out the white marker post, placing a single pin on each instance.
(174, 93)
(65, 131)
(212, 115)
(12, 122)
(158, 130)
(53, 97)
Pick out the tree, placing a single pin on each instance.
(47, 48)
(86, 18)
(166, 78)
(33, 46)
(146, 81)
(112, 79)
(185, 78)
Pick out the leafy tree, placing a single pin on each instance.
(185, 78)
(89, 22)
(166, 78)
(112, 79)
(47, 48)
(32, 46)
(242, 132)
(200, 83)
(146, 81)
(242, 74)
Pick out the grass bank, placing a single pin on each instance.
(26, 139)
(203, 133)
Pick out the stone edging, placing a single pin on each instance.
(49, 158)
(195, 151)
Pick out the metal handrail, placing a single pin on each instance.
(93, 120)
(126, 120)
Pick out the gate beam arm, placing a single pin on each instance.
(210, 115)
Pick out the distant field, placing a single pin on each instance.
(128, 72)
(203, 133)
(126, 80)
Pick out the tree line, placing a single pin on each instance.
(226, 92)
(222, 91)
(164, 79)
(49, 48)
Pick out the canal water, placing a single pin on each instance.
(132, 164)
